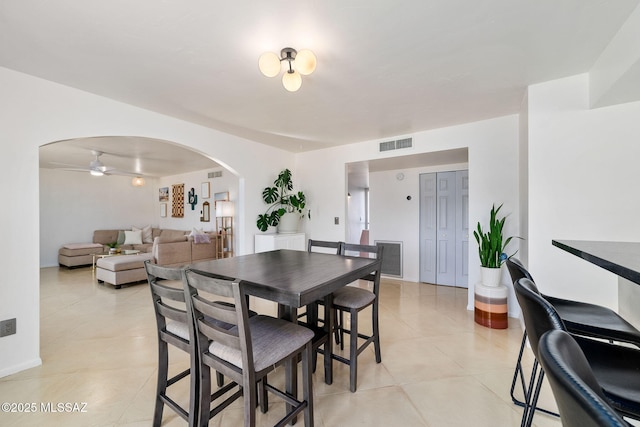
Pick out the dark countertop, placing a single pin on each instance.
(621, 258)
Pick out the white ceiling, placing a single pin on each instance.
(386, 68)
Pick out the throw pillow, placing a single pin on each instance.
(132, 237)
(147, 233)
(196, 232)
(201, 238)
(120, 239)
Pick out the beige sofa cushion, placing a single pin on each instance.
(105, 236)
(172, 233)
(123, 262)
(76, 249)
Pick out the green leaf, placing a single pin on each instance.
(270, 195)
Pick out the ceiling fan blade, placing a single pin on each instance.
(75, 170)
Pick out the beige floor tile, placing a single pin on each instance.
(439, 368)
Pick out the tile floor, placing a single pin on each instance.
(439, 368)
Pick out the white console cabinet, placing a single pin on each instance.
(269, 242)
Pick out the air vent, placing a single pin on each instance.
(404, 143)
(216, 174)
(391, 258)
(396, 145)
(387, 146)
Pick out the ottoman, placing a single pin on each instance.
(120, 269)
(76, 254)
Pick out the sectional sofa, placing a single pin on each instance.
(161, 246)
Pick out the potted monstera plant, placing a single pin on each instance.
(491, 248)
(286, 207)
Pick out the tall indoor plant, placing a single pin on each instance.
(282, 200)
(491, 248)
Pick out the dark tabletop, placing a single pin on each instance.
(293, 278)
(621, 258)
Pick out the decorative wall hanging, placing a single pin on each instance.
(206, 212)
(163, 194)
(206, 190)
(177, 204)
(193, 199)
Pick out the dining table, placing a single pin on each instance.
(294, 279)
(620, 258)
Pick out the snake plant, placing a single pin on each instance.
(491, 245)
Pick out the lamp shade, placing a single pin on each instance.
(224, 208)
(269, 64)
(305, 62)
(292, 81)
(138, 181)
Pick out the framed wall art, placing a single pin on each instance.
(163, 194)
(206, 190)
(163, 210)
(177, 204)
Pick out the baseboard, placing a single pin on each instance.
(20, 367)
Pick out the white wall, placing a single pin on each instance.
(72, 205)
(36, 112)
(394, 218)
(583, 185)
(493, 178)
(226, 183)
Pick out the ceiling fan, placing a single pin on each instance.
(97, 168)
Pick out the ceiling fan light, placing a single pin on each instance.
(305, 62)
(269, 64)
(292, 81)
(138, 181)
(96, 172)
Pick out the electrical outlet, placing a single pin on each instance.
(336, 221)
(7, 327)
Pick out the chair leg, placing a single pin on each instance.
(307, 391)
(376, 332)
(250, 402)
(161, 388)
(340, 327)
(534, 400)
(219, 379)
(263, 400)
(353, 351)
(204, 396)
(519, 374)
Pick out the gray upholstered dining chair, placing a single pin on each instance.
(311, 311)
(172, 328)
(247, 350)
(352, 300)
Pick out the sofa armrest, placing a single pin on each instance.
(204, 251)
(171, 251)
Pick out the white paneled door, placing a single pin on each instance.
(444, 233)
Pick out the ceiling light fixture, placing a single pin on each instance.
(138, 181)
(298, 63)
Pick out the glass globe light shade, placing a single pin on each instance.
(292, 81)
(137, 181)
(269, 64)
(305, 62)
